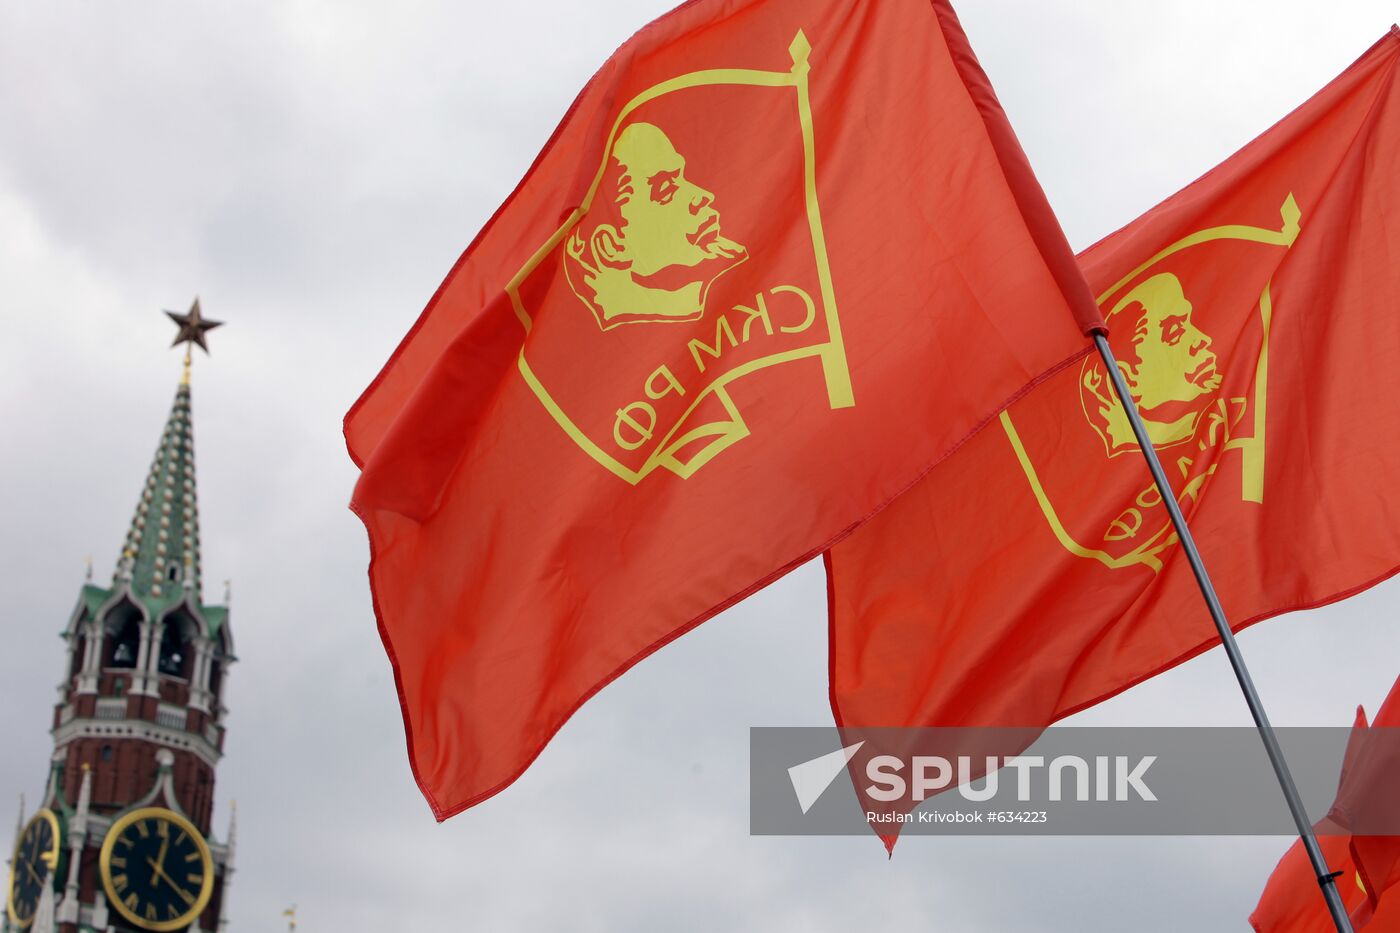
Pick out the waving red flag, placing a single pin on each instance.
(780, 257)
(1370, 788)
(1290, 902)
(1036, 573)
(1366, 864)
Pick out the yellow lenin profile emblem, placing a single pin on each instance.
(1170, 369)
(651, 245)
(691, 285)
(1203, 408)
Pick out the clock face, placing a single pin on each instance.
(156, 869)
(36, 857)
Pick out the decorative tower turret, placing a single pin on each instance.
(123, 840)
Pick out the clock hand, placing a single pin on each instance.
(159, 863)
(162, 876)
(164, 846)
(159, 871)
(33, 874)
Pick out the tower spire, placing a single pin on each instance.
(160, 558)
(162, 541)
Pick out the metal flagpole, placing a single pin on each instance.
(1227, 638)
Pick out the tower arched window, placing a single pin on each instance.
(176, 650)
(123, 642)
(75, 666)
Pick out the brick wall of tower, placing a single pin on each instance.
(194, 787)
(128, 772)
(125, 772)
(89, 881)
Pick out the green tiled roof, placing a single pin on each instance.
(216, 616)
(160, 559)
(93, 597)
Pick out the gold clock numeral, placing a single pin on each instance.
(172, 910)
(195, 879)
(119, 882)
(185, 896)
(131, 901)
(118, 862)
(151, 912)
(192, 857)
(143, 829)
(163, 829)
(180, 840)
(123, 841)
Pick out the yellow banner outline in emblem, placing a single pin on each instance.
(1251, 448)
(832, 353)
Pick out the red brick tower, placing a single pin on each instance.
(139, 727)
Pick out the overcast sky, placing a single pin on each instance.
(312, 170)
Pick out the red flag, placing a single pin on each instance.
(1290, 902)
(1377, 861)
(1035, 573)
(780, 257)
(1371, 786)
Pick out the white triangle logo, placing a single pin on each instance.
(811, 778)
